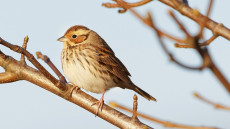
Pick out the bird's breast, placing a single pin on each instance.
(82, 70)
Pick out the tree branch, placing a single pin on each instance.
(80, 98)
(7, 77)
(215, 27)
(131, 5)
(52, 66)
(24, 45)
(164, 123)
(190, 40)
(31, 58)
(217, 106)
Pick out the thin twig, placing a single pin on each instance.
(134, 117)
(52, 66)
(217, 106)
(131, 5)
(154, 119)
(204, 20)
(206, 43)
(158, 32)
(26, 39)
(219, 75)
(189, 12)
(182, 27)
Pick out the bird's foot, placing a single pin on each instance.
(76, 88)
(68, 94)
(100, 104)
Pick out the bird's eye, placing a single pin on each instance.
(74, 36)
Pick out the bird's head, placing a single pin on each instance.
(75, 35)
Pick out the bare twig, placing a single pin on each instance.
(218, 106)
(134, 117)
(130, 5)
(208, 41)
(158, 32)
(219, 75)
(52, 66)
(31, 58)
(164, 123)
(203, 21)
(189, 12)
(24, 46)
(205, 43)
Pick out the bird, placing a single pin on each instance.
(89, 63)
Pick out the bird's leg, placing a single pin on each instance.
(100, 103)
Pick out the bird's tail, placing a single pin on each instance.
(143, 93)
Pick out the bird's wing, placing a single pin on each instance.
(107, 59)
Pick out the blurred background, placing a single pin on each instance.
(24, 105)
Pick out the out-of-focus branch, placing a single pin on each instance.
(217, 28)
(207, 60)
(114, 5)
(25, 72)
(131, 5)
(189, 40)
(189, 12)
(52, 66)
(218, 106)
(154, 119)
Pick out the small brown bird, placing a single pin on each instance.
(89, 63)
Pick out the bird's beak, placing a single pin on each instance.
(62, 39)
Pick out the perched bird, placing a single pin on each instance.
(89, 63)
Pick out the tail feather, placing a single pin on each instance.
(143, 93)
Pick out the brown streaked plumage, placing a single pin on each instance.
(89, 63)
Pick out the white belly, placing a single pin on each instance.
(78, 73)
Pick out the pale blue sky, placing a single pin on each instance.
(26, 106)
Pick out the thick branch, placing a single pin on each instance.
(80, 98)
(7, 77)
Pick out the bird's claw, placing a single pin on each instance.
(69, 92)
(100, 105)
(74, 88)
